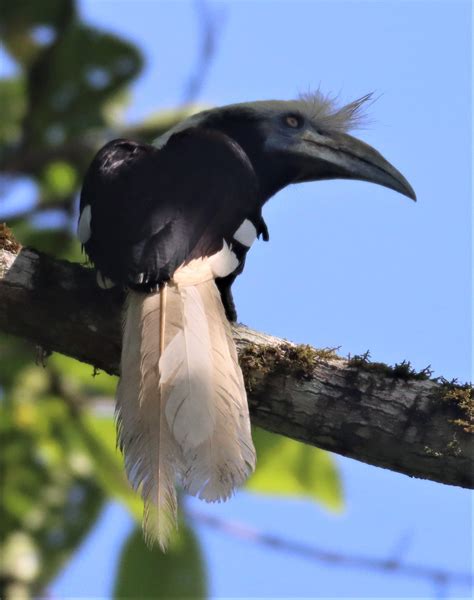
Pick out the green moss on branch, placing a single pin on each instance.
(299, 361)
(403, 370)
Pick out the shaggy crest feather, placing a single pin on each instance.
(322, 109)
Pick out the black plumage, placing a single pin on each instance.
(153, 210)
(172, 223)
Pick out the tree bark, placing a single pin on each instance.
(390, 418)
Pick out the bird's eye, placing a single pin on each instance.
(293, 121)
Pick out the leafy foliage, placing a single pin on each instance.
(289, 468)
(51, 497)
(59, 462)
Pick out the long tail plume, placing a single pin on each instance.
(225, 459)
(151, 454)
(182, 413)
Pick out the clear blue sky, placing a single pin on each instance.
(349, 264)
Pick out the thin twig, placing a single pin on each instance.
(210, 21)
(435, 575)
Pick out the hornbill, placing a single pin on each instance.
(172, 223)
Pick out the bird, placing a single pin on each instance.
(171, 223)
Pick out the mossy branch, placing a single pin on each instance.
(392, 417)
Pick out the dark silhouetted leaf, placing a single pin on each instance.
(149, 573)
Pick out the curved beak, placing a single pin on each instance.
(341, 156)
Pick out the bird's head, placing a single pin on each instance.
(292, 141)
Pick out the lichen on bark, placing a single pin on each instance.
(461, 396)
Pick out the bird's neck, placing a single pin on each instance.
(273, 171)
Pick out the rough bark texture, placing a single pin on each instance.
(376, 415)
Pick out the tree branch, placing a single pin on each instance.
(388, 417)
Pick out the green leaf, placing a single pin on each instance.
(99, 437)
(82, 374)
(49, 492)
(150, 573)
(59, 180)
(50, 241)
(71, 87)
(12, 109)
(15, 354)
(289, 468)
(20, 18)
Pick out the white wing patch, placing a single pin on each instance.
(224, 262)
(246, 234)
(84, 226)
(104, 282)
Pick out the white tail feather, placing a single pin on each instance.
(186, 369)
(151, 454)
(227, 457)
(181, 403)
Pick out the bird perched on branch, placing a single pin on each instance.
(172, 223)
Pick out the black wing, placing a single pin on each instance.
(155, 209)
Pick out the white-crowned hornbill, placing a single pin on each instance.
(172, 223)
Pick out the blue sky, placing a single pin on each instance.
(349, 264)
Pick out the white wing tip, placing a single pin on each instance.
(84, 225)
(104, 282)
